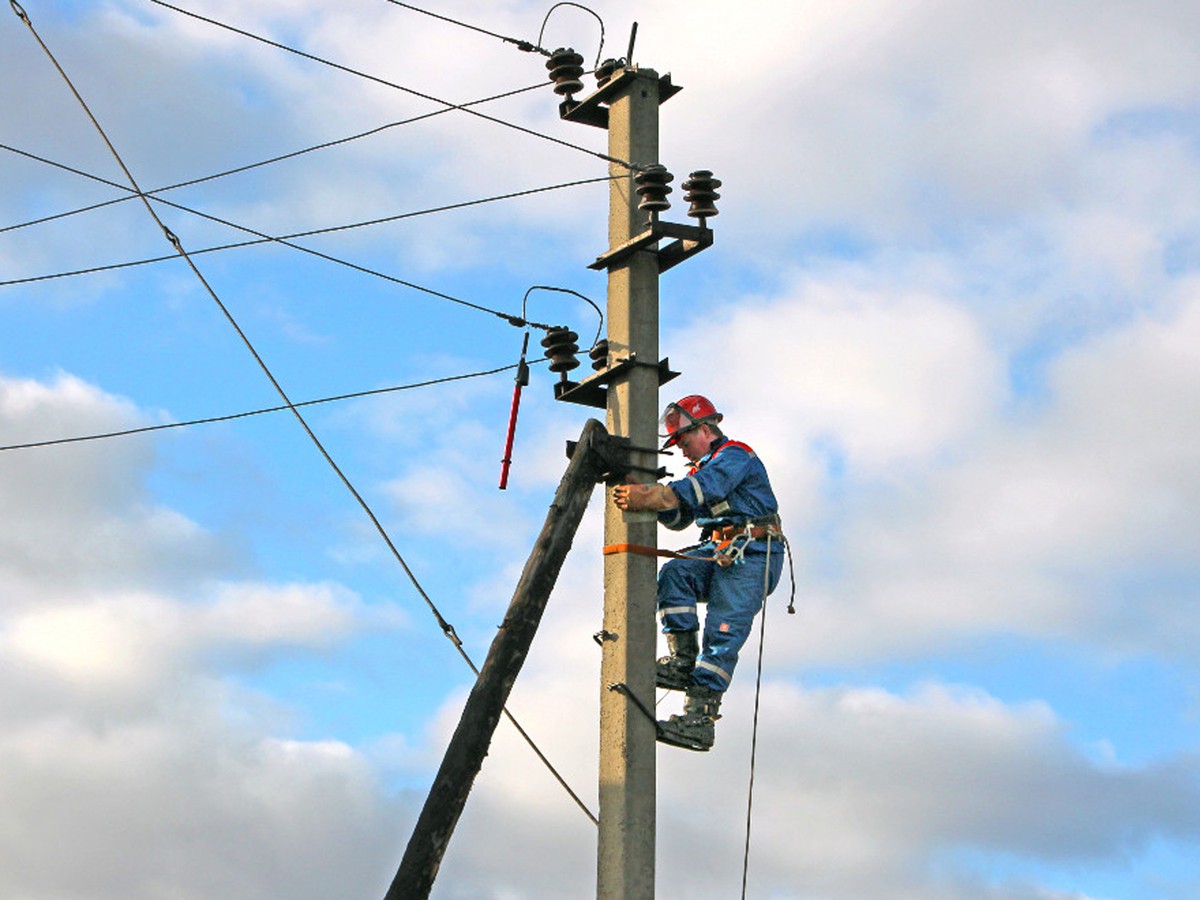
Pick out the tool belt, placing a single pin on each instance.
(755, 530)
(731, 540)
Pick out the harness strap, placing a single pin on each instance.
(643, 550)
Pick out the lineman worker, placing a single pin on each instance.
(727, 493)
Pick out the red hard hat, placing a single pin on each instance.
(684, 415)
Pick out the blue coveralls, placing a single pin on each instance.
(729, 486)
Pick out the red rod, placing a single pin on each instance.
(512, 430)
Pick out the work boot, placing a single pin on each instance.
(693, 730)
(674, 672)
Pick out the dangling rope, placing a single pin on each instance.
(762, 634)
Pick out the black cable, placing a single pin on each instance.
(253, 412)
(446, 627)
(399, 87)
(762, 639)
(521, 45)
(561, 290)
(286, 240)
(266, 162)
(542, 32)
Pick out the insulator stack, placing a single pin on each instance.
(604, 72)
(566, 68)
(561, 347)
(701, 193)
(653, 187)
(599, 355)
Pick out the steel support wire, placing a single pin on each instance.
(446, 627)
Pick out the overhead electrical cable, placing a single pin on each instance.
(446, 627)
(527, 46)
(265, 162)
(287, 239)
(399, 87)
(228, 417)
(550, 11)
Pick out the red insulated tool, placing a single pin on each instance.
(521, 380)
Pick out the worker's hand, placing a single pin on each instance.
(637, 497)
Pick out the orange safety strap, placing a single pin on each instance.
(643, 550)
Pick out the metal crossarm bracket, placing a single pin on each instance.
(593, 390)
(689, 240)
(593, 109)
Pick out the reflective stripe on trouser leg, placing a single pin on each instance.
(681, 582)
(735, 594)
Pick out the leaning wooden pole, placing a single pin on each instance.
(469, 745)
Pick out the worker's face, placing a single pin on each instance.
(695, 443)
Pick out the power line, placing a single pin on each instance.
(54, 442)
(287, 239)
(399, 87)
(446, 627)
(250, 166)
(527, 46)
(549, 12)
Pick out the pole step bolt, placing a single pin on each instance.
(566, 68)
(701, 192)
(653, 188)
(561, 347)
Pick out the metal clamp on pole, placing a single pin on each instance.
(610, 458)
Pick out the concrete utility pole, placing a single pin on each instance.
(626, 104)
(627, 737)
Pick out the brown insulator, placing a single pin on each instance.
(653, 187)
(701, 192)
(566, 68)
(599, 354)
(604, 72)
(561, 347)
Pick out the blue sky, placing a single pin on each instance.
(953, 303)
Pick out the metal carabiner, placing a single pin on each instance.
(733, 551)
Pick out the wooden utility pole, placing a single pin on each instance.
(469, 745)
(625, 861)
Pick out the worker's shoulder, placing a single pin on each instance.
(736, 446)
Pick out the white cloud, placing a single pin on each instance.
(860, 793)
(1041, 160)
(123, 737)
(1042, 522)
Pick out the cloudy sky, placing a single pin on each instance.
(954, 303)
